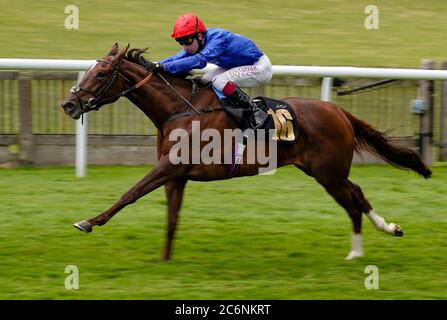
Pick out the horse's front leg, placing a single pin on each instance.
(162, 172)
(174, 193)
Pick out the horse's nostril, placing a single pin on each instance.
(68, 106)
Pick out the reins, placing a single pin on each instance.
(178, 94)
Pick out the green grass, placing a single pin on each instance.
(297, 32)
(264, 237)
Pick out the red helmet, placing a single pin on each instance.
(186, 25)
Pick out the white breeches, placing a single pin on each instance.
(244, 76)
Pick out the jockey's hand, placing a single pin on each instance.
(158, 67)
(150, 66)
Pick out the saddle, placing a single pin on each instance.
(282, 118)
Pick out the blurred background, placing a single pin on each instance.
(274, 237)
(291, 32)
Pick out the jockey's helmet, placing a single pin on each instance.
(186, 25)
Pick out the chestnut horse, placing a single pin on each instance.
(328, 137)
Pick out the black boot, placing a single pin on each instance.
(242, 100)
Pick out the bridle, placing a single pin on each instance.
(95, 103)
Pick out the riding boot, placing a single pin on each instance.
(242, 100)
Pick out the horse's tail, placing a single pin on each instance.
(378, 143)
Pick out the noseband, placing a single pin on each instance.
(95, 102)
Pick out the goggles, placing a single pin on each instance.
(185, 41)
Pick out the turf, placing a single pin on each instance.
(295, 32)
(263, 237)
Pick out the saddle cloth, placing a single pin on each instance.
(281, 118)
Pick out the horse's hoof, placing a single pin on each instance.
(84, 225)
(398, 232)
(354, 254)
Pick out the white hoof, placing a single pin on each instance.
(354, 254)
(396, 230)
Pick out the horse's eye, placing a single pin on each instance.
(100, 74)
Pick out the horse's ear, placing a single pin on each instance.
(114, 50)
(123, 52)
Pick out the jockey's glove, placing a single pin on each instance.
(150, 66)
(158, 67)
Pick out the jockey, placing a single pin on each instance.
(240, 62)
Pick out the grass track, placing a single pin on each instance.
(264, 237)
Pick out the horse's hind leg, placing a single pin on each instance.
(347, 195)
(378, 222)
(351, 197)
(381, 225)
(336, 183)
(174, 193)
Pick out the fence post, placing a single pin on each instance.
(26, 140)
(443, 116)
(326, 89)
(427, 90)
(81, 141)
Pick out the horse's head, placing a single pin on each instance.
(102, 84)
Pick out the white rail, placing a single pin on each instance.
(303, 71)
(355, 72)
(45, 64)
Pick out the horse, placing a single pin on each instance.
(328, 138)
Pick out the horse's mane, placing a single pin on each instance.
(134, 55)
